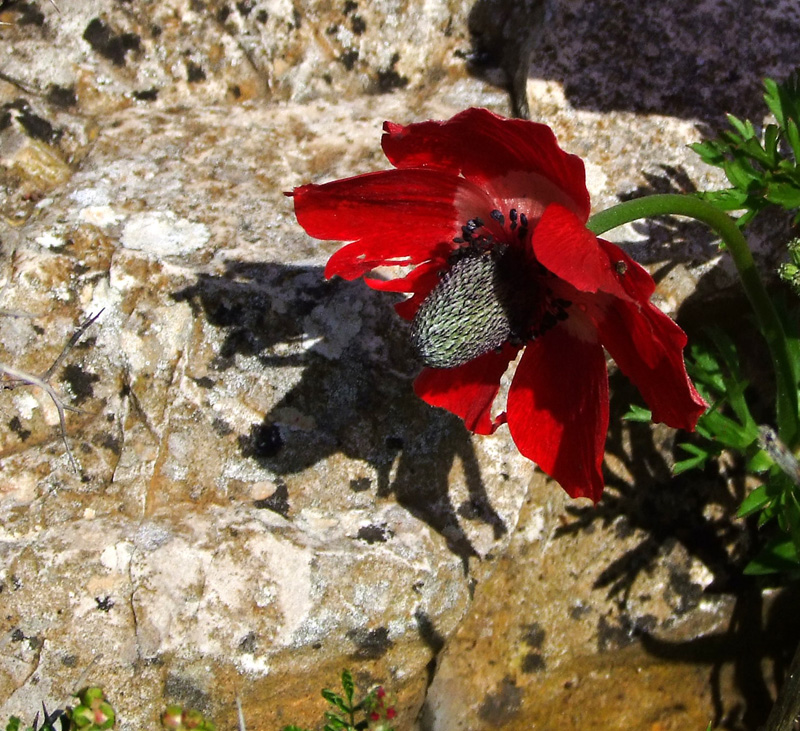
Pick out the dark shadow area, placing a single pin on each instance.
(760, 630)
(356, 384)
(680, 58)
(693, 510)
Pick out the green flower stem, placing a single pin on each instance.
(767, 317)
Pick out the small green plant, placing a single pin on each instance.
(761, 165)
(48, 723)
(175, 717)
(92, 713)
(376, 708)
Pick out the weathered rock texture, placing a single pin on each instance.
(261, 500)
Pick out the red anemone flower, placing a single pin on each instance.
(490, 215)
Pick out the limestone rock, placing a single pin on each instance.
(252, 460)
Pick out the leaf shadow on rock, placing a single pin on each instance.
(356, 387)
(676, 57)
(692, 511)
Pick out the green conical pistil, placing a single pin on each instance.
(470, 310)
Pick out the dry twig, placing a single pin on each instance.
(19, 377)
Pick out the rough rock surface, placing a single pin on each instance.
(261, 500)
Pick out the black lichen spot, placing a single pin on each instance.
(263, 442)
(389, 79)
(69, 661)
(37, 127)
(689, 594)
(374, 534)
(108, 44)
(80, 382)
(17, 635)
(579, 611)
(349, 7)
(146, 95)
(360, 484)
(112, 444)
(611, 637)
(34, 125)
(223, 13)
(204, 382)
(372, 644)
(221, 427)
(349, 58)
(533, 635)
(16, 426)
(278, 502)
(29, 13)
(358, 25)
(62, 96)
(245, 7)
(235, 91)
(297, 20)
(248, 643)
(500, 707)
(332, 30)
(533, 662)
(104, 603)
(194, 72)
(262, 16)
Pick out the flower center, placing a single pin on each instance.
(490, 294)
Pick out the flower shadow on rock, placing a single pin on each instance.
(357, 388)
(636, 55)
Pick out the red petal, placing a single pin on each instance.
(558, 410)
(469, 390)
(393, 216)
(633, 277)
(648, 348)
(481, 146)
(385, 202)
(354, 260)
(572, 252)
(419, 281)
